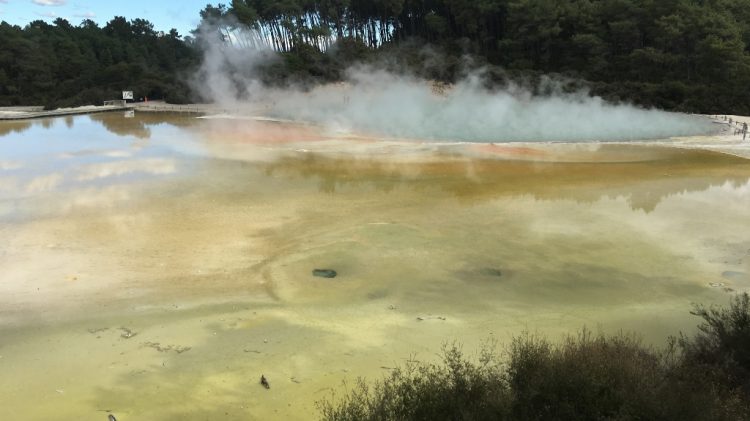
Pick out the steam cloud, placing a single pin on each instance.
(383, 103)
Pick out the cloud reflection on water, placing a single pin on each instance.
(151, 166)
(44, 183)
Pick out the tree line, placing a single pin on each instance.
(60, 64)
(688, 55)
(685, 55)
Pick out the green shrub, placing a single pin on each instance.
(584, 377)
(456, 389)
(721, 348)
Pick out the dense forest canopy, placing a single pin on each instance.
(687, 55)
(65, 65)
(690, 55)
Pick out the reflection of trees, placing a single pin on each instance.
(114, 122)
(336, 172)
(139, 125)
(643, 184)
(7, 127)
(47, 123)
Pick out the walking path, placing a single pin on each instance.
(25, 113)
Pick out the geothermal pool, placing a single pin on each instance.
(154, 267)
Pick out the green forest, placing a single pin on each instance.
(685, 55)
(60, 65)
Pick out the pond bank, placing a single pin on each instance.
(27, 113)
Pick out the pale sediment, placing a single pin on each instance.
(161, 281)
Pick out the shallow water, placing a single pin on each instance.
(156, 266)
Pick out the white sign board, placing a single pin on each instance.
(127, 95)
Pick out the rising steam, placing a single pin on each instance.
(383, 103)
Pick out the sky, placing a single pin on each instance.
(182, 15)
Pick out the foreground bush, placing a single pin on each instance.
(455, 389)
(722, 346)
(586, 377)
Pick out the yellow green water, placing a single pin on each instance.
(156, 266)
